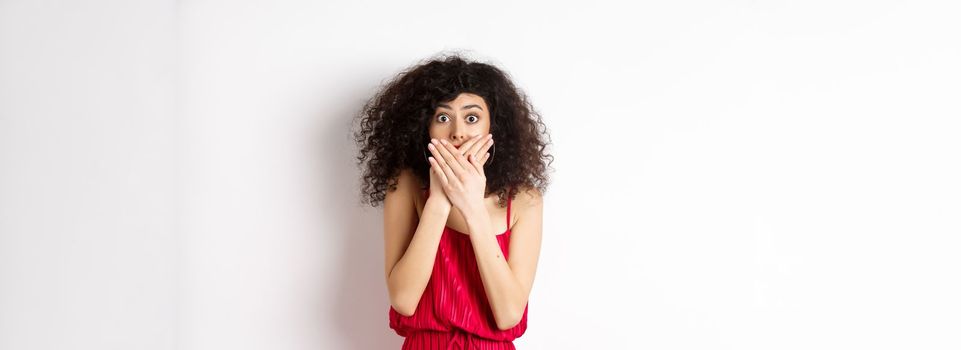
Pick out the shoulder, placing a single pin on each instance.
(407, 186)
(527, 198)
(527, 212)
(406, 179)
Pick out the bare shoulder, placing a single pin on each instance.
(407, 181)
(528, 205)
(528, 197)
(407, 186)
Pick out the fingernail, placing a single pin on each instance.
(443, 141)
(430, 145)
(433, 140)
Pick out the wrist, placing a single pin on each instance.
(476, 210)
(437, 205)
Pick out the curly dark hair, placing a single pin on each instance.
(393, 127)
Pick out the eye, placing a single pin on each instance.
(443, 118)
(475, 118)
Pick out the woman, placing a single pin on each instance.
(456, 153)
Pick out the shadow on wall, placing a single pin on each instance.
(360, 305)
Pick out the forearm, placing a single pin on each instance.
(408, 278)
(504, 293)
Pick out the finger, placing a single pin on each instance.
(476, 163)
(458, 159)
(438, 156)
(450, 154)
(474, 145)
(479, 162)
(442, 163)
(442, 156)
(486, 146)
(466, 147)
(452, 180)
(436, 168)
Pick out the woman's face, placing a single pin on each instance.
(461, 119)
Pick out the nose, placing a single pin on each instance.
(458, 134)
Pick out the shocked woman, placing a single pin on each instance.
(456, 153)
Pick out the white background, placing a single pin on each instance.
(728, 175)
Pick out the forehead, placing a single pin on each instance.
(464, 99)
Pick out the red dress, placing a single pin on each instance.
(453, 312)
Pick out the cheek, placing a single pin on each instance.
(436, 132)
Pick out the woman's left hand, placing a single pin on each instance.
(464, 181)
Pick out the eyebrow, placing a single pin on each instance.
(462, 108)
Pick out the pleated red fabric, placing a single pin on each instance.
(453, 312)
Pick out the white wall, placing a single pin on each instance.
(88, 236)
(745, 175)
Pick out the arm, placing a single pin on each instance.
(410, 246)
(508, 283)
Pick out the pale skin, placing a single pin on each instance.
(460, 142)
